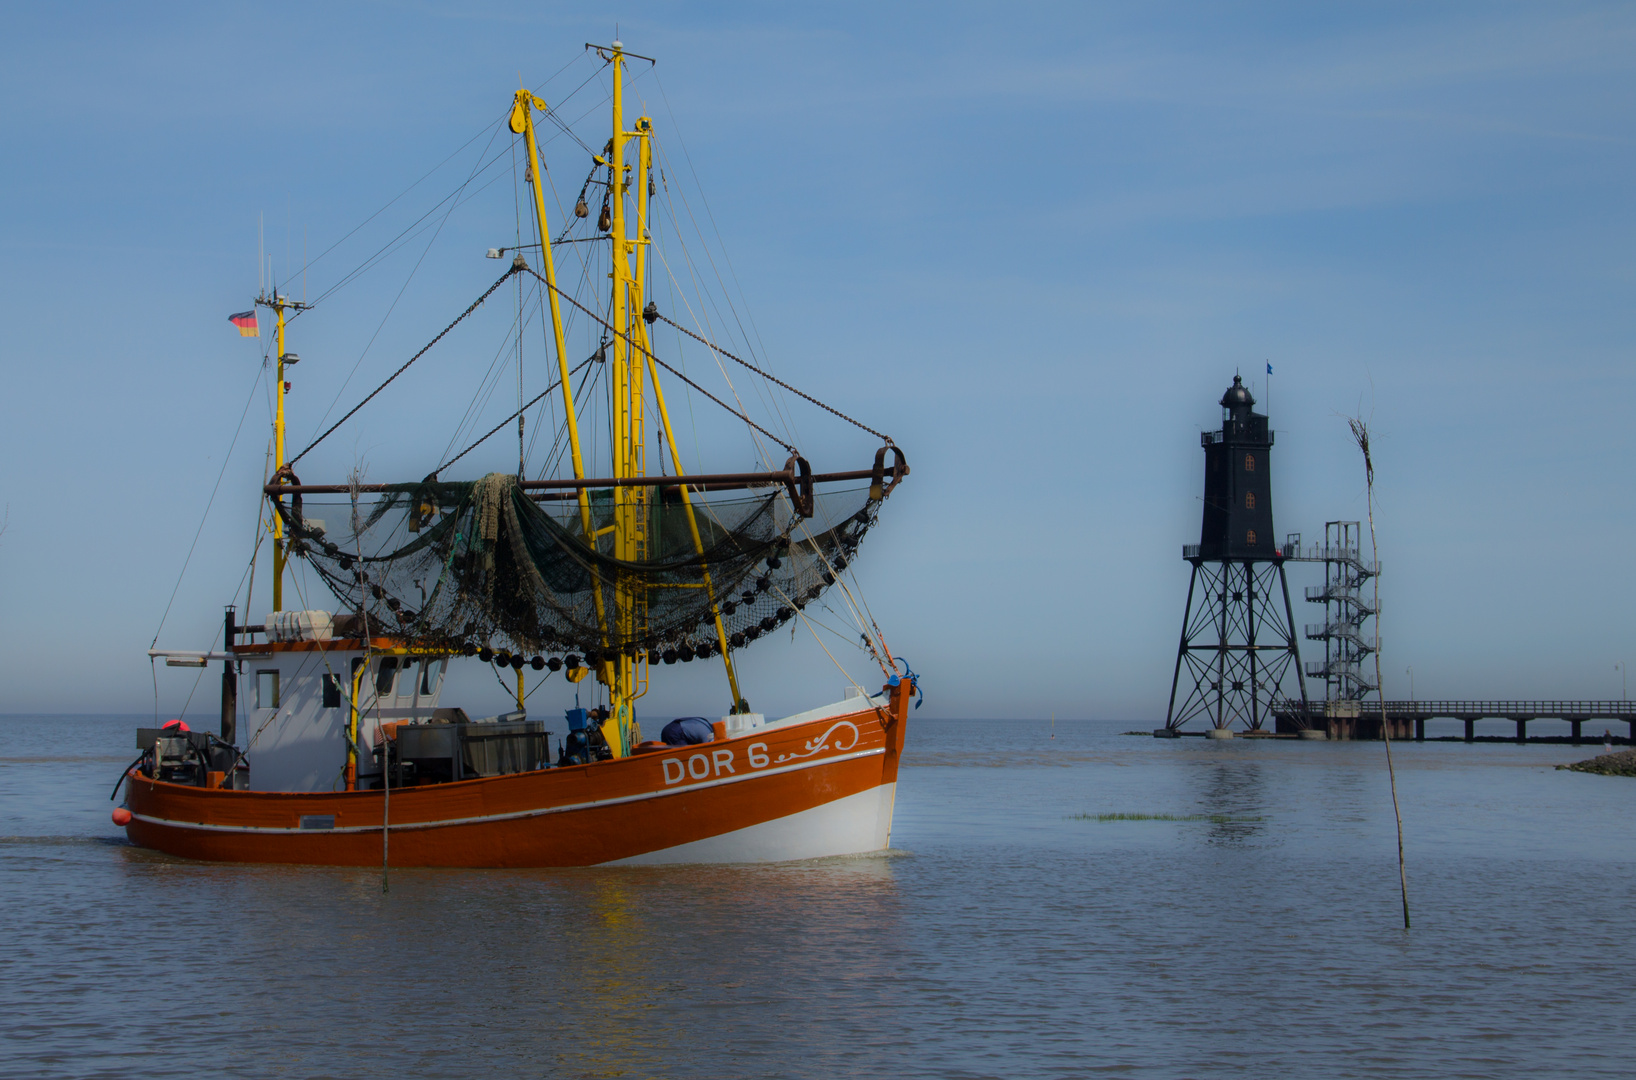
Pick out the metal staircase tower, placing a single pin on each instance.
(1347, 641)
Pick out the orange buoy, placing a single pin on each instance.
(179, 725)
(122, 816)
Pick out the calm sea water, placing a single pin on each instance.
(1005, 935)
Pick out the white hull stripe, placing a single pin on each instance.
(514, 815)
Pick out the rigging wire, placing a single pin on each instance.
(389, 204)
(634, 345)
(480, 396)
(492, 127)
(700, 292)
(453, 205)
(455, 153)
(773, 378)
(424, 349)
(415, 227)
(731, 307)
(260, 374)
(496, 429)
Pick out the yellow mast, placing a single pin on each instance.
(628, 293)
(624, 675)
(279, 303)
(278, 464)
(630, 503)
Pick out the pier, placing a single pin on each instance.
(1407, 719)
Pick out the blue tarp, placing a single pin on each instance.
(687, 730)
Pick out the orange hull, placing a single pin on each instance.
(785, 791)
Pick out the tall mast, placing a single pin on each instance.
(279, 303)
(624, 674)
(629, 291)
(630, 503)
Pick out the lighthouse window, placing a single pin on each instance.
(1249, 538)
(1249, 463)
(267, 689)
(1249, 500)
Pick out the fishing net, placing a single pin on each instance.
(466, 566)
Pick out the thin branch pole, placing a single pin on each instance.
(1360, 433)
(386, 752)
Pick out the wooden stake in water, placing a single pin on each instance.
(355, 485)
(1360, 433)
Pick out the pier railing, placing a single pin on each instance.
(1362, 719)
(1511, 710)
(1482, 709)
(1330, 553)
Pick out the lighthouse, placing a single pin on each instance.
(1238, 643)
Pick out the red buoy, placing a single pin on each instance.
(122, 816)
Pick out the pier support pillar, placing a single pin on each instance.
(1420, 729)
(1576, 724)
(1471, 731)
(1632, 734)
(1522, 730)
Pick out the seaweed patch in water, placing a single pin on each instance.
(1217, 819)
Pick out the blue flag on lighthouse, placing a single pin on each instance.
(1269, 369)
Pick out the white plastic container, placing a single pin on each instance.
(300, 626)
(741, 723)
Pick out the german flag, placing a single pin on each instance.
(246, 322)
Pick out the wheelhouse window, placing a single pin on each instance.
(386, 676)
(332, 692)
(430, 672)
(267, 689)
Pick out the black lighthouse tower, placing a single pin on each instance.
(1238, 632)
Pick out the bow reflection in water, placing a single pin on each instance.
(659, 965)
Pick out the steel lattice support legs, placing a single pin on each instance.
(1237, 647)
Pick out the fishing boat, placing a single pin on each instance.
(335, 745)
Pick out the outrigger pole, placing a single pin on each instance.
(522, 123)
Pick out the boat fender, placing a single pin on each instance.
(122, 816)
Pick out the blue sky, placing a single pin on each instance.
(1032, 242)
